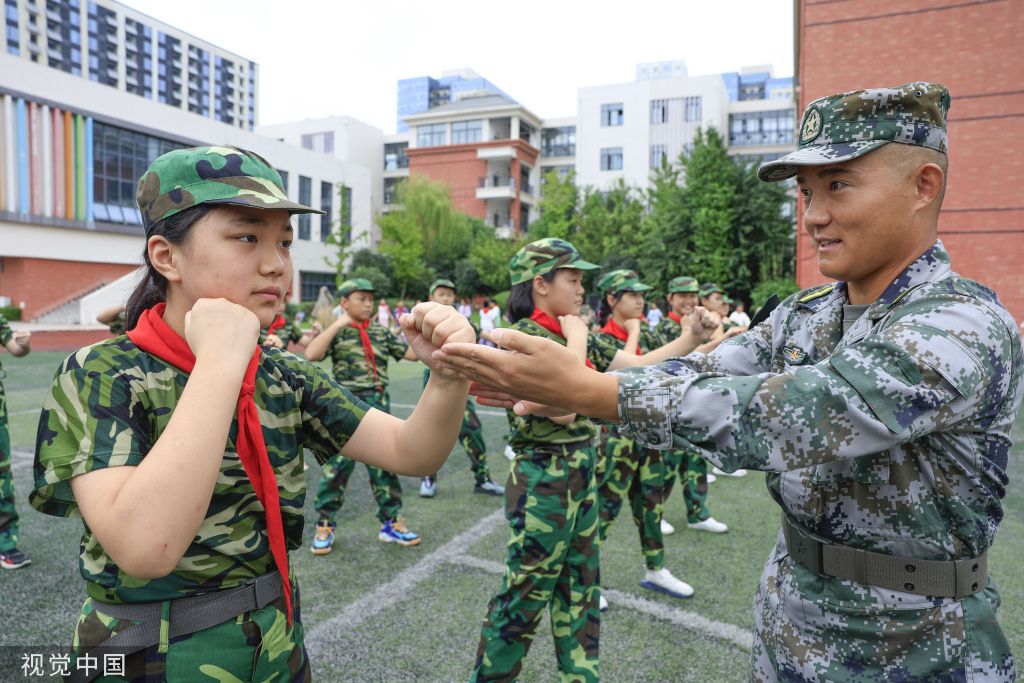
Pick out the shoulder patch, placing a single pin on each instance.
(815, 293)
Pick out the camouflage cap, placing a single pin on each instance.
(621, 281)
(727, 299)
(441, 282)
(543, 256)
(709, 288)
(683, 284)
(356, 284)
(848, 125)
(184, 178)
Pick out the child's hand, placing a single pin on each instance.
(221, 331)
(22, 338)
(632, 325)
(573, 326)
(275, 341)
(431, 325)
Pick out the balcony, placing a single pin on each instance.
(504, 229)
(496, 187)
(496, 153)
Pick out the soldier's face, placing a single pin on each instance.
(682, 303)
(236, 253)
(358, 305)
(860, 216)
(443, 295)
(563, 295)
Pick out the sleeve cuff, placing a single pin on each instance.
(645, 410)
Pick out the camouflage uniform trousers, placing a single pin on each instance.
(637, 475)
(8, 511)
(693, 471)
(471, 436)
(551, 508)
(387, 490)
(810, 628)
(254, 646)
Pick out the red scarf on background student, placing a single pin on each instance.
(276, 325)
(552, 325)
(678, 319)
(155, 337)
(619, 332)
(371, 356)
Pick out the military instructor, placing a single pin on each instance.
(880, 406)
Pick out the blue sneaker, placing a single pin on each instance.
(14, 559)
(428, 487)
(323, 540)
(394, 531)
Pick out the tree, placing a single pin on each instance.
(558, 207)
(708, 199)
(489, 256)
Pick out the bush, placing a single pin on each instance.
(10, 312)
(765, 289)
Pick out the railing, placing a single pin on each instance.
(497, 181)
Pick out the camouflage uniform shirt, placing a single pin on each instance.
(892, 438)
(529, 430)
(289, 332)
(349, 362)
(108, 405)
(6, 335)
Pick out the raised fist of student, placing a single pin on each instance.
(430, 325)
(275, 341)
(222, 331)
(22, 338)
(632, 325)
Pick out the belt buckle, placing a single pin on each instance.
(266, 590)
(807, 550)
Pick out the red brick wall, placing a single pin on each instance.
(971, 46)
(44, 283)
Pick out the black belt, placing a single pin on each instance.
(187, 615)
(935, 578)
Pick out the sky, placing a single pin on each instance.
(324, 58)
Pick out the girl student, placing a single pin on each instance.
(629, 471)
(281, 332)
(181, 443)
(551, 493)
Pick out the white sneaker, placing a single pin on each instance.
(602, 604)
(710, 524)
(737, 473)
(666, 528)
(509, 453)
(663, 582)
(711, 478)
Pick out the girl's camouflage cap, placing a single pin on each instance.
(184, 178)
(621, 281)
(543, 256)
(683, 284)
(848, 125)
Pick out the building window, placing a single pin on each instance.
(691, 109)
(659, 154)
(752, 91)
(64, 37)
(762, 128)
(659, 111)
(11, 26)
(558, 142)
(525, 131)
(310, 284)
(284, 180)
(306, 198)
(391, 189)
(120, 158)
(432, 135)
(611, 114)
(169, 59)
(464, 132)
(326, 198)
(611, 159)
(396, 156)
(319, 142)
(138, 58)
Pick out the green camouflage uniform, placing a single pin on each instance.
(551, 508)
(108, 405)
(119, 324)
(891, 436)
(688, 466)
(354, 372)
(8, 511)
(287, 333)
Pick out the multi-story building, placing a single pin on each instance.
(109, 43)
(974, 49)
(485, 148)
(423, 93)
(71, 150)
(557, 147)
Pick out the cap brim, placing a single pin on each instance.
(265, 201)
(638, 288)
(579, 265)
(815, 155)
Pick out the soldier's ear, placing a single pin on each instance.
(930, 184)
(162, 256)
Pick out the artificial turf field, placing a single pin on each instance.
(376, 612)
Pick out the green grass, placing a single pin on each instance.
(431, 635)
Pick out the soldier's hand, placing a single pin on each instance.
(632, 325)
(221, 331)
(573, 325)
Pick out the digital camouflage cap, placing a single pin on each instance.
(621, 281)
(709, 288)
(543, 256)
(848, 125)
(356, 284)
(683, 284)
(441, 282)
(184, 178)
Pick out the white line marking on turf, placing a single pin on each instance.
(400, 587)
(21, 460)
(740, 637)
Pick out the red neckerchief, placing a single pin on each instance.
(155, 337)
(619, 332)
(552, 325)
(371, 357)
(276, 325)
(675, 317)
